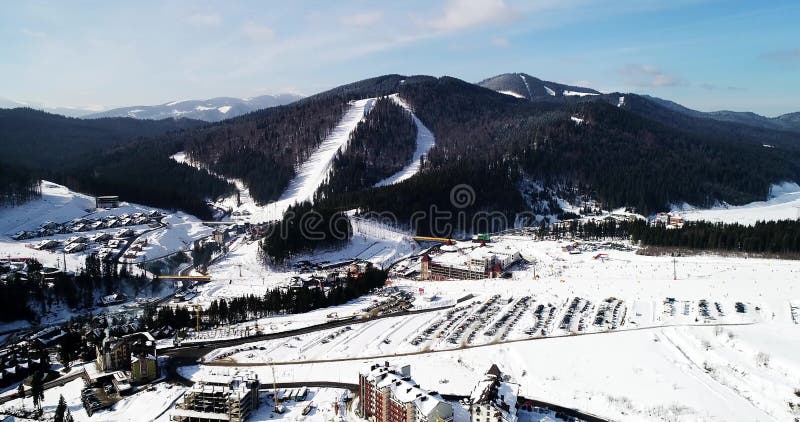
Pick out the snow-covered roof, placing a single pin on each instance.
(501, 395)
(403, 388)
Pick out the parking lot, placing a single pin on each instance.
(487, 319)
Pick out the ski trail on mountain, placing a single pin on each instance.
(528, 87)
(425, 142)
(314, 171)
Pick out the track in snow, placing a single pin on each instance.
(425, 142)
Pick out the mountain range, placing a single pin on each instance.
(497, 136)
(210, 110)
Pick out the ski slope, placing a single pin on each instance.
(783, 204)
(310, 175)
(425, 142)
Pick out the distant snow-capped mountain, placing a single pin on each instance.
(211, 110)
(64, 111)
(522, 85)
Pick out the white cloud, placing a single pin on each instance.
(204, 19)
(258, 32)
(34, 34)
(644, 75)
(500, 42)
(362, 19)
(462, 14)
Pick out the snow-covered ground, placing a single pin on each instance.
(783, 204)
(425, 142)
(141, 406)
(59, 204)
(666, 361)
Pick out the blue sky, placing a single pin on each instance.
(705, 54)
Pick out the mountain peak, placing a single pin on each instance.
(523, 85)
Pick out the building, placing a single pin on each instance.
(144, 360)
(113, 354)
(219, 398)
(106, 202)
(670, 221)
(388, 394)
(493, 399)
(466, 261)
(134, 353)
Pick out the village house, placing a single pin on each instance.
(493, 399)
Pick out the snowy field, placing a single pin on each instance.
(141, 406)
(58, 204)
(783, 204)
(668, 360)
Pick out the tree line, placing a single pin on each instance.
(17, 185)
(30, 295)
(277, 301)
(303, 228)
(779, 237)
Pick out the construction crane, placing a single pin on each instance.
(278, 408)
(197, 309)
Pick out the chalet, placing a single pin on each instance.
(493, 399)
(75, 247)
(106, 202)
(47, 244)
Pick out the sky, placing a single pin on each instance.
(705, 54)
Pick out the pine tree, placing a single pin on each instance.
(61, 410)
(37, 389)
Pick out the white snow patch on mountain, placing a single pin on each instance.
(549, 91)
(425, 142)
(512, 93)
(577, 120)
(224, 109)
(577, 93)
(528, 87)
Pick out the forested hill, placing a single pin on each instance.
(36, 139)
(263, 148)
(640, 154)
(113, 156)
(637, 152)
